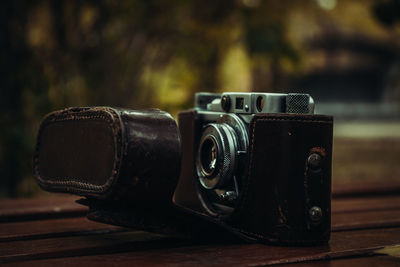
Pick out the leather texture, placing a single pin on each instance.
(109, 153)
(279, 188)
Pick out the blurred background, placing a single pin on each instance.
(142, 54)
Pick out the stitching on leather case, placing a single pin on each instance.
(80, 187)
(245, 189)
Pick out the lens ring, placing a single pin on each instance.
(221, 164)
(208, 154)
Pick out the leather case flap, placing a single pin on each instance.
(281, 188)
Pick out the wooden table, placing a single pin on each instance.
(53, 231)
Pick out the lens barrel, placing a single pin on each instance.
(217, 155)
(221, 149)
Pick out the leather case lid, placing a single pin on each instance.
(105, 152)
(79, 150)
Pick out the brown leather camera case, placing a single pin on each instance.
(127, 164)
(284, 191)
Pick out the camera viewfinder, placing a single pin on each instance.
(260, 103)
(239, 103)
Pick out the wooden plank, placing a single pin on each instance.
(365, 188)
(80, 251)
(358, 219)
(53, 228)
(354, 204)
(365, 166)
(83, 245)
(365, 220)
(387, 261)
(55, 206)
(365, 162)
(352, 213)
(64, 206)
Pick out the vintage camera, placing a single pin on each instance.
(250, 165)
(258, 164)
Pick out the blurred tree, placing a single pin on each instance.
(387, 12)
(23, 96)
(266, 40)
(140, 54)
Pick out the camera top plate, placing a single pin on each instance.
(252, 103)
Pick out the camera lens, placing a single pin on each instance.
(220, 163)
(216, 155)
(208, 156)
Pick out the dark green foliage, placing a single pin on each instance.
(136, 54)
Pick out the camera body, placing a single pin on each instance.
(259, 165)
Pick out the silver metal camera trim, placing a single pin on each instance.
(273, 103)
